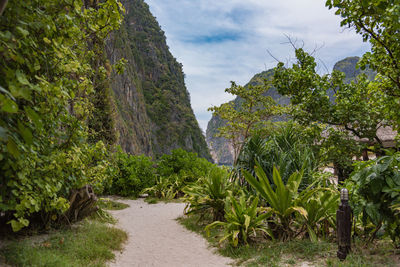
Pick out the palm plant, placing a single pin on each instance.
(165, 187)
(208, 194)
(243, 219)
(286, 149)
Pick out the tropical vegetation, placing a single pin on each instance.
(57, 135)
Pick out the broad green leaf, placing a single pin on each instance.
(312, 234)
(9, 106)
(22, 31)
(32, 115)
(2, 90)
(25, 133)
(12, 148)
(21, 77)
(246, 221)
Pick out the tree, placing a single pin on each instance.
(51, 64)
(249, 115)
(355, 112)
(378, 21)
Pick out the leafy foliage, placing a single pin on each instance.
(132, 174)
(46, 80)
(378, 23)
(243, 220)
(357, 107)
(289, 148)
(185, 166)
(321, 206)
(208, 194)
(249, 116)
(283, 200)
(375, 187)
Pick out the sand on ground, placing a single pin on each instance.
(155, 238)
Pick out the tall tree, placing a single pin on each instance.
(378, 21)
(355, 112)
(251, 114)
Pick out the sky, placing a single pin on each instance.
(219, 41)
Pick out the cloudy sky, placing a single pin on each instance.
(219, 41)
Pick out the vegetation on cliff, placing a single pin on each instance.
(153, 88)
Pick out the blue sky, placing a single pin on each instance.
(219, 41)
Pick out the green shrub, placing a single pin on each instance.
(187, 165)
(48, 74)
(208, 194)
(288, 149)
(165, 187)
(132, 174)
(243, 220)
(177, 170)
(295, 211)
(375, 194)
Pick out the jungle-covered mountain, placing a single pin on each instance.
(151, 104)
(220, 148)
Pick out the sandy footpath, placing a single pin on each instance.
(157, 239)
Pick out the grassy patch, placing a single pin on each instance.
(155, 200)
(151, 200)
(274, 253)
(108, 204)
(91, 243)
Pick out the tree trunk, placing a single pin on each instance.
(82, 203)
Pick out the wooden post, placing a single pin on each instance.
(343, 221)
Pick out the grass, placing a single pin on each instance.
(155, 200)
(91, 243)
(295, 252)
(108, 204)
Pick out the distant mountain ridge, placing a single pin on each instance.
(221, 149)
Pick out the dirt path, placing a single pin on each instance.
(157, 239)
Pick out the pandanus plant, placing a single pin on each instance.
(292, 208)
(282, 200)
(243, 220)
(208, 194)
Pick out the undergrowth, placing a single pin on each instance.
(90, 243)
(293, 253)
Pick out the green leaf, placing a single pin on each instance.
(7, 93)
(312, 234)
(9, 106)
(12, 148)
(25, 133)
(3, 133)
(34, 117)
(22, 31)
(22, 78)
(18, 225)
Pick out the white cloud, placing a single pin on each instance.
(227, 40)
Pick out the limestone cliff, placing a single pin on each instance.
(152, 105)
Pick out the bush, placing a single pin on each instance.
(187, 165)
(243, 220)
(48, 73)
(288, 149)
(208, 194)
(177, 170)
(131, 174)
(375, 194)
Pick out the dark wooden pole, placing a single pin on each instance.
(343, 221)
